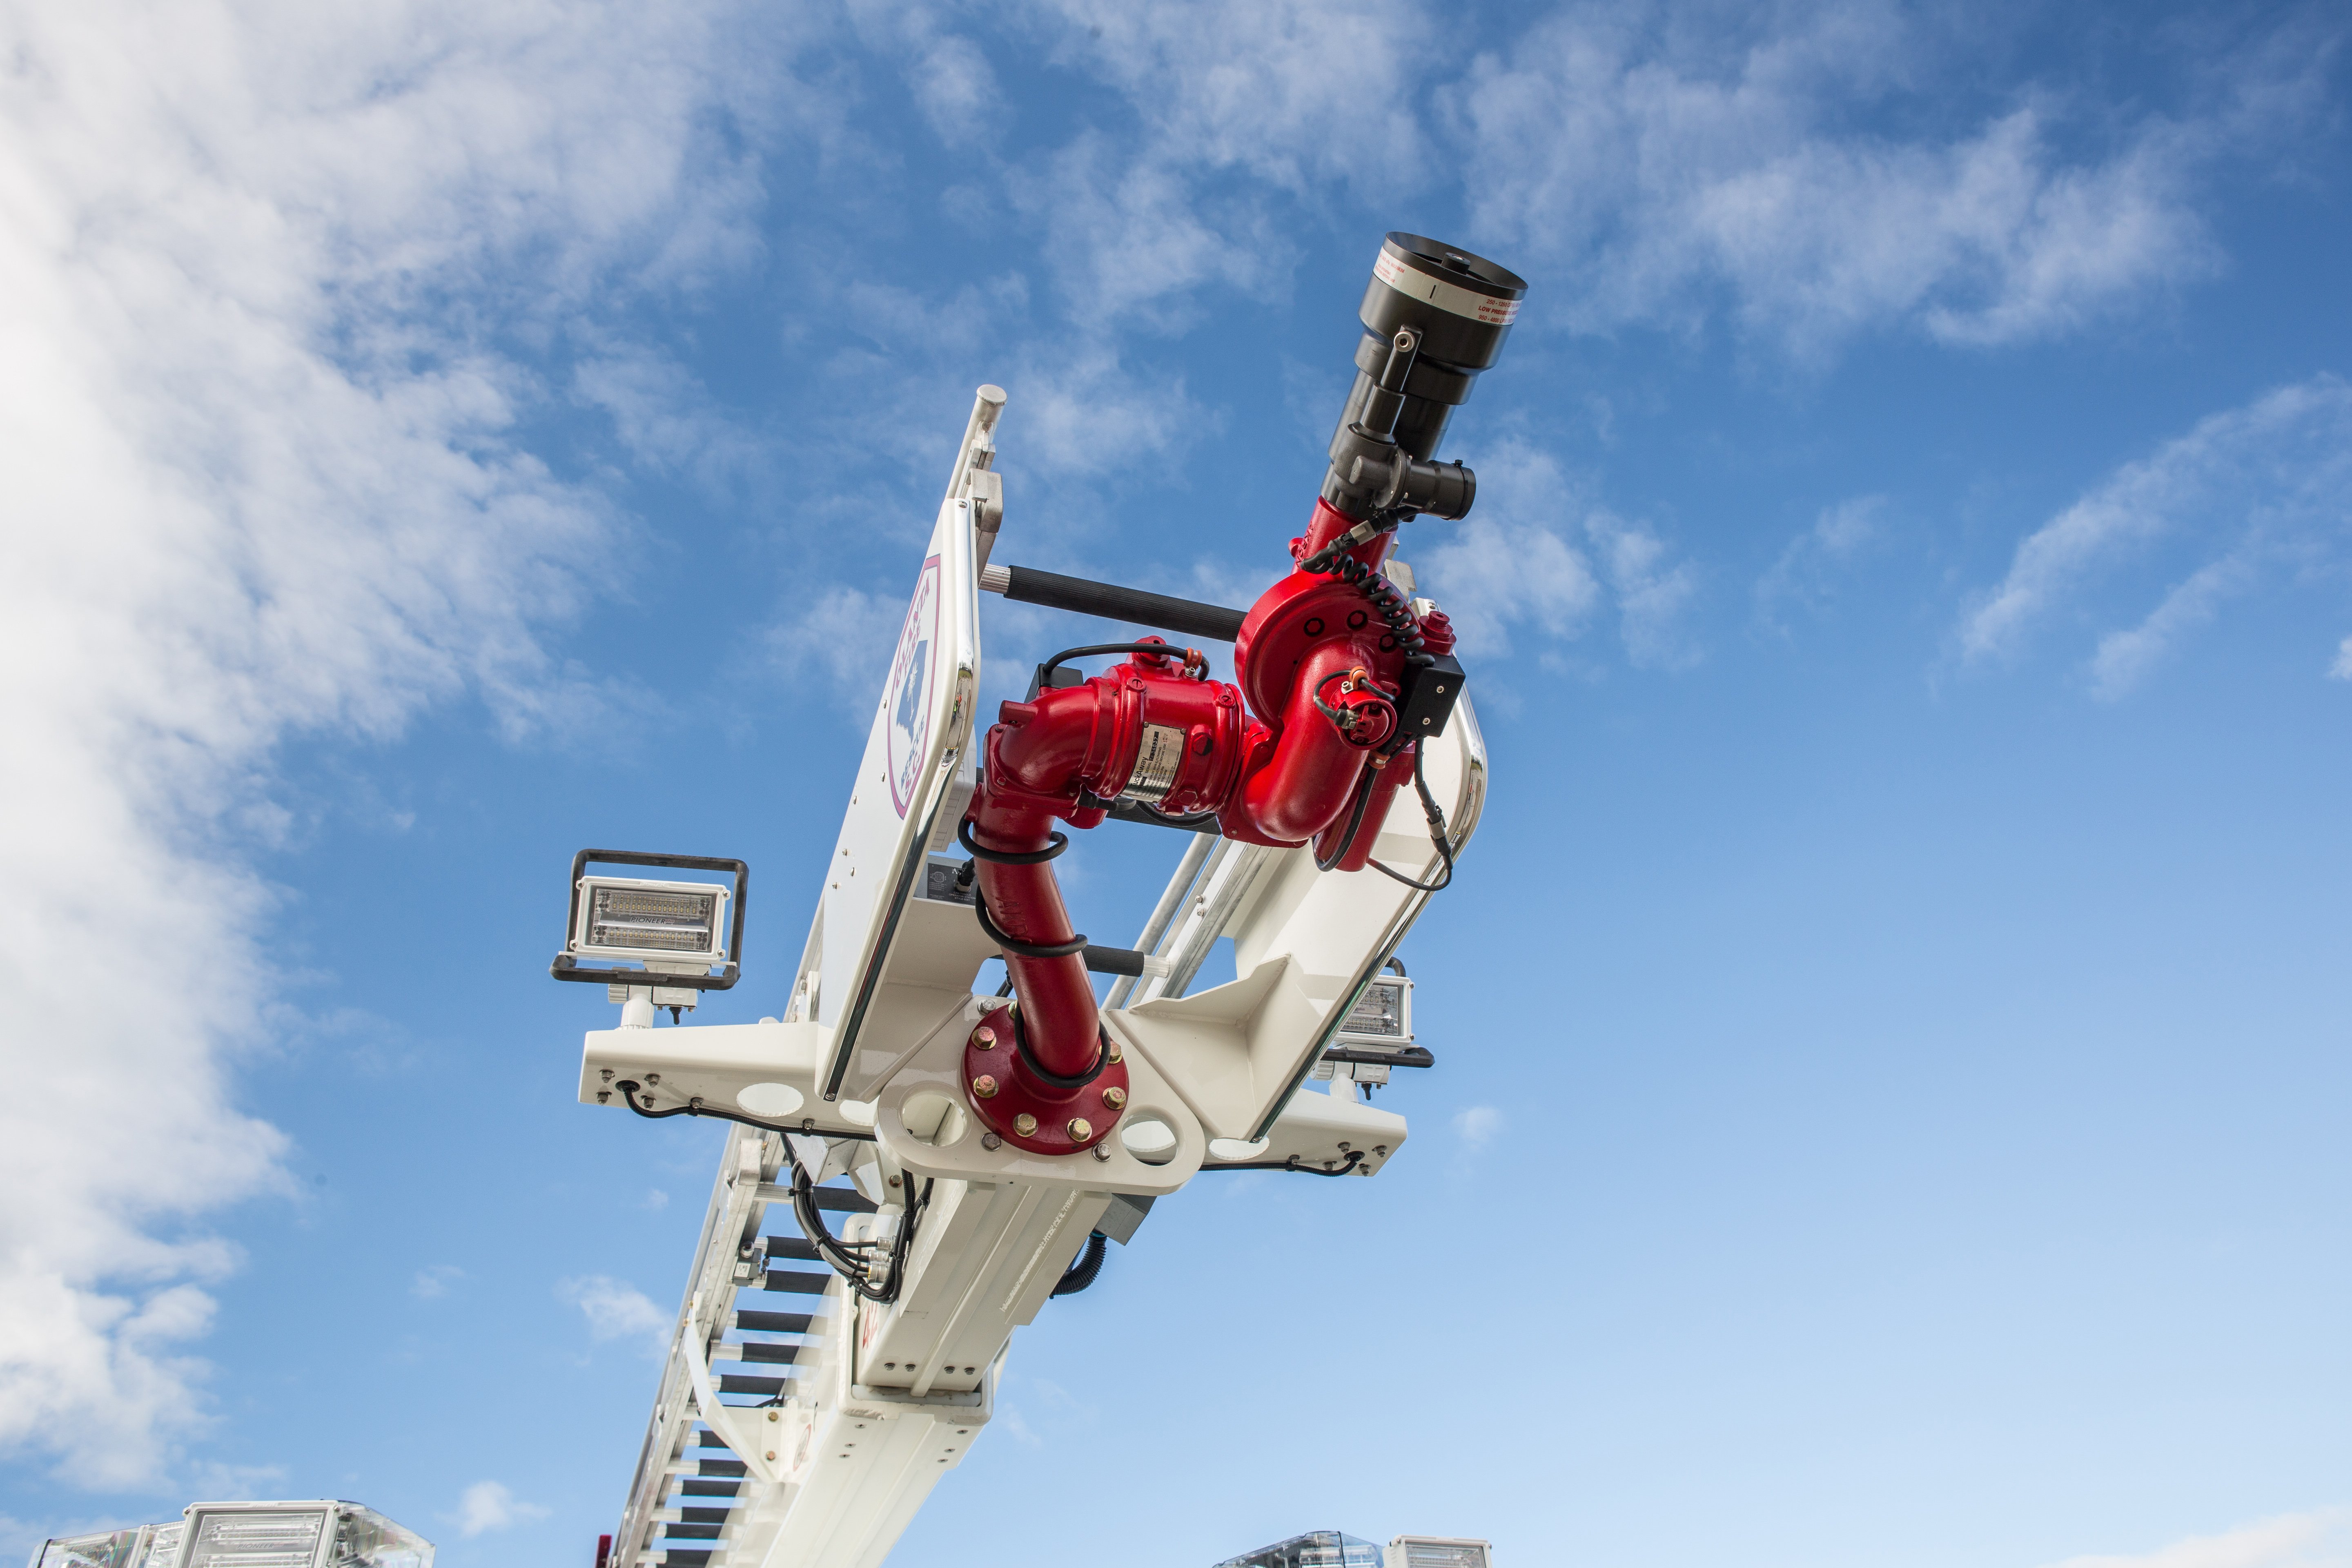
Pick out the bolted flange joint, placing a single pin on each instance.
(1031, 1108)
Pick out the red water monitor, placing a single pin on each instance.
(1339, 680)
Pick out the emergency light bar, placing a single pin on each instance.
(665, 926)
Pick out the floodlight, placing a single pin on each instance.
(1376, 1035)
(679, 932)
(1439, 1552)
(1383, 1016)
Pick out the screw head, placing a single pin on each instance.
(989, 1140)
(1116, 1055)
(1102, 1152)
(1025, 1124)
(1080, 1130)
(984, 1037)
(984, 1086)
(1113, 1097)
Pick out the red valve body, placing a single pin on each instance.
(1322, 667)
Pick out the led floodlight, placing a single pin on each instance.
(679, 931)
(1377, 1034)
(1381, 1016)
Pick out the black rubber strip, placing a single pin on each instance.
(1186, 617)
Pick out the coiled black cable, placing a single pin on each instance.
(1081, 1273)
(1333, 561)
(841, 1255)
(1386, 601)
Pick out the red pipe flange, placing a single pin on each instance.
(1019, 1100)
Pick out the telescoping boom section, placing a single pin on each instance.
(919, 1159)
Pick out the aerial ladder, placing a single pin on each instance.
(944, 1159)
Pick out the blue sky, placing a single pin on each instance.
(1892, 1024)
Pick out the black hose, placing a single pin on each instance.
(1355, 1158)
(1436, 819)
(1165, 649)
(830, 1247)
(1355, 823)
(1081, 1274)
(1015, 944)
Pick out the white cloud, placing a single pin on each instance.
(614, 1309)
(1652, 591)
(1812, 176)
(2255, 490)
(2319, 1538)
(845, 635)
(1478, 1125)
(1515, 561)
(1803, 573)
(2342, 669)
(432, 1284)
(488, 1505)
(256, 489)
(1657, 172)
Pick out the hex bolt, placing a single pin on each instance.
(989, 1140)
(1102, 1152)
(652, 1078)
(1025, 1125)
(1080, 1130)
(1113, 1097)
(1116, 1054)
(984, 1037)
(985, 1087)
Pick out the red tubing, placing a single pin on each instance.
(1184, 745)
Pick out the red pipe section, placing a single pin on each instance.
(1319, 666)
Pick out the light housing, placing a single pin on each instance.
(1376, 1035)
(1383, 1016)
(664, 925)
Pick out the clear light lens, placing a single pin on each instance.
(1449, 1555)
(1381, 1012)
(641, 918)
(365, 1538)
(113, 1549)
(257, 1540)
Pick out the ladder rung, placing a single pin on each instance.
(773, 1323)
(736, 1383)
(792, 1280)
